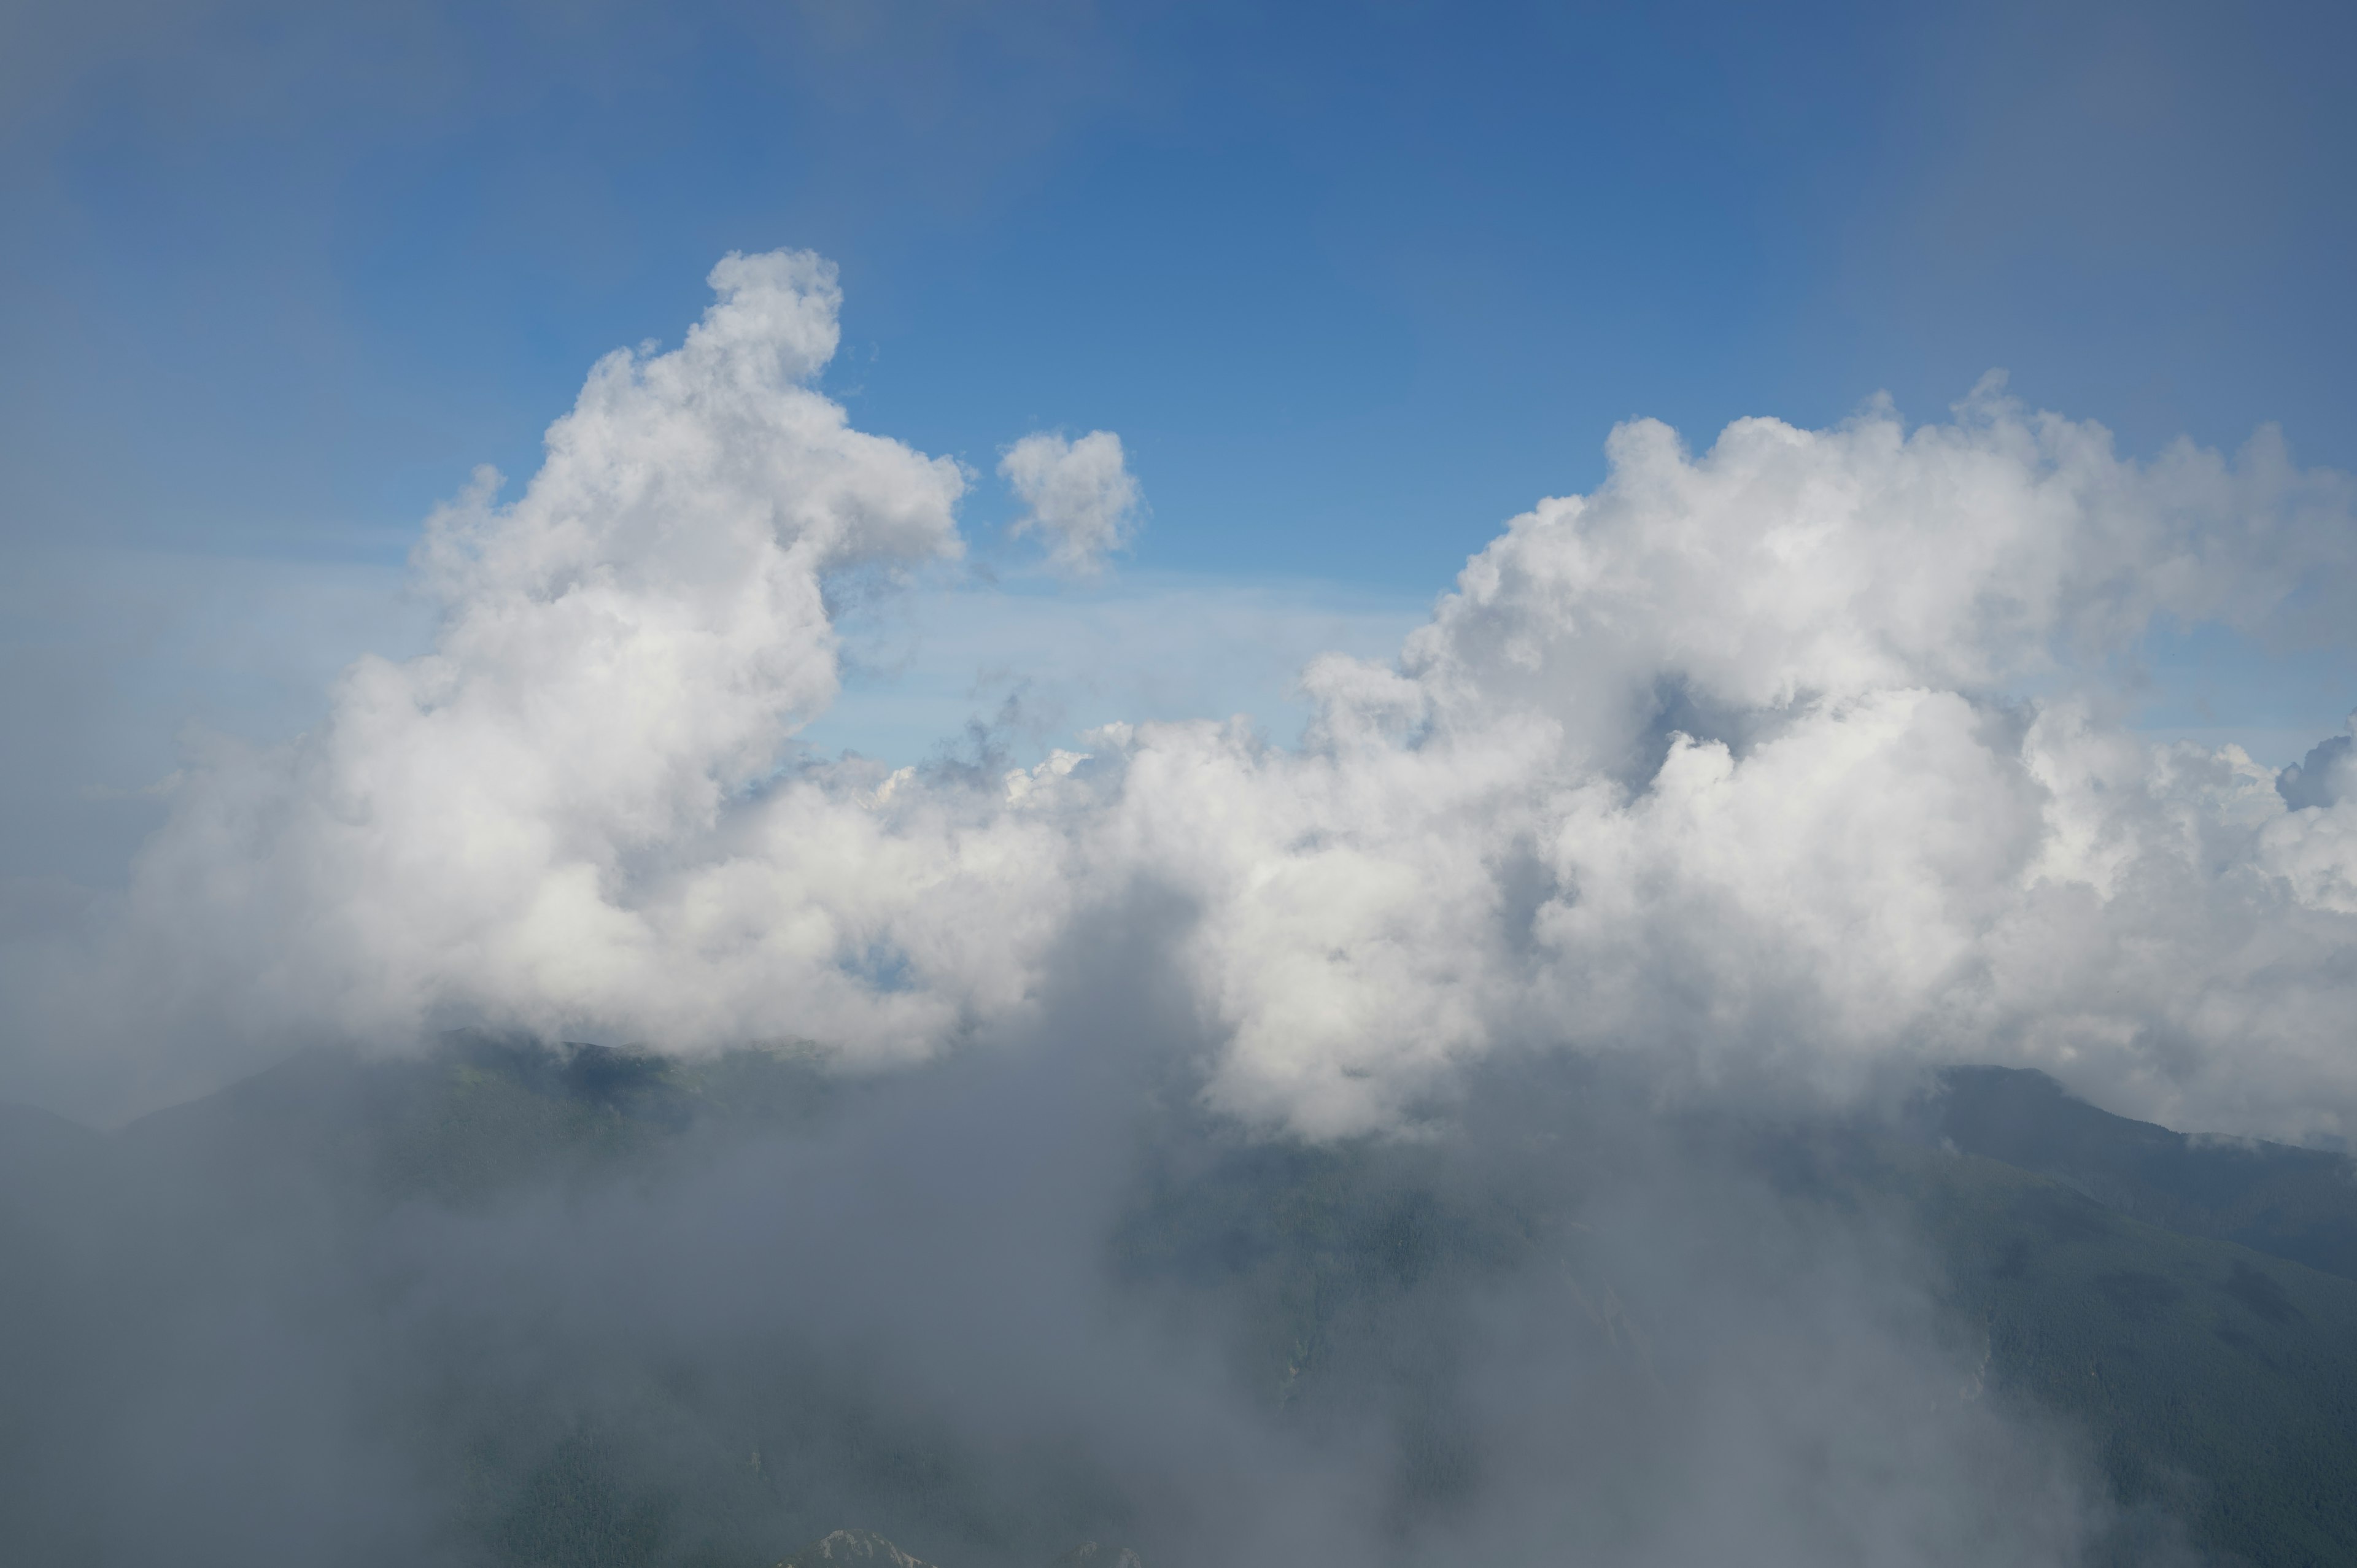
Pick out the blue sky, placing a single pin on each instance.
(1354, 284)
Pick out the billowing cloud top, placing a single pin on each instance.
(1715, 764)
(2326, 776)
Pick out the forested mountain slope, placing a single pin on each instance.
(353, 1277)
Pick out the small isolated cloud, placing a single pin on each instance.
(1084, 500)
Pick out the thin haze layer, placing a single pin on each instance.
(1727, 763)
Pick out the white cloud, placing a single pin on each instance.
(1856, 850)
(1084, 502)
(1715, 764)
(2326, 776)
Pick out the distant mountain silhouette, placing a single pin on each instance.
(2294, 1203)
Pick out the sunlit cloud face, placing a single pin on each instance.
(1725, 765)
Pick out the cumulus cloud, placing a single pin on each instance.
(2326, 776)
(1084, 502)
(1726, 765)
(1715, 764)
(563, 793)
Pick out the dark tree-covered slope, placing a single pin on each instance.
(2294, 1203)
